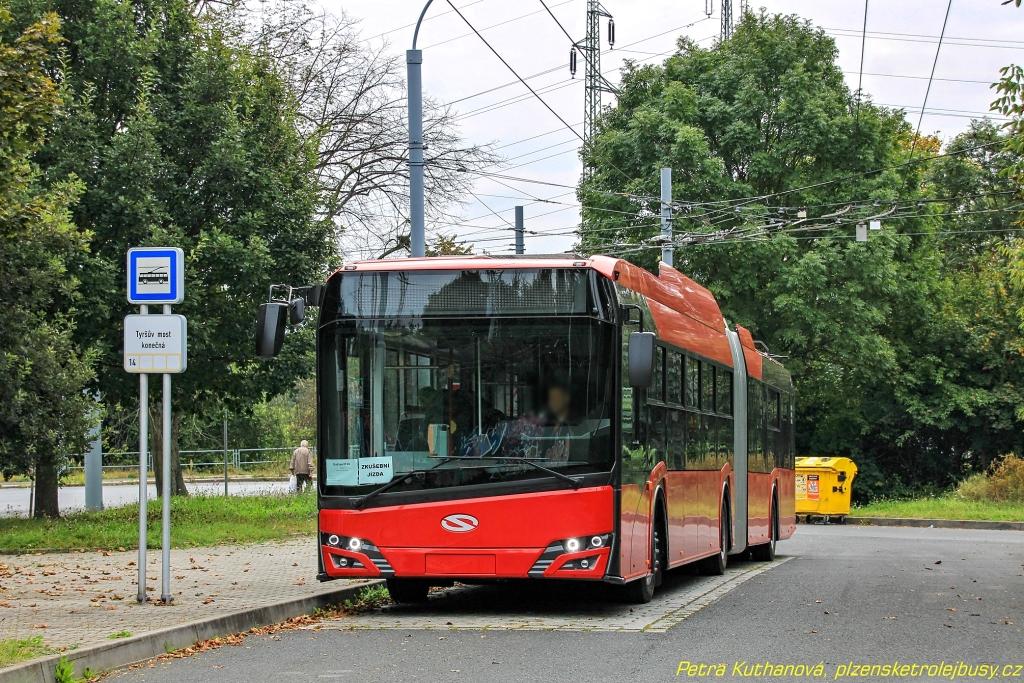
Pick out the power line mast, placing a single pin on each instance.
(728, 21)
(594, 82)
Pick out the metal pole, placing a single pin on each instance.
(520, 241)
(143, 473)
(666, 216)
(94, 470)
(165, 584)
(413, 60)
(225, 453)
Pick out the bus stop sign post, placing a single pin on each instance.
(155, 345)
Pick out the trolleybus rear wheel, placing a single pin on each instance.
(766, 551)
(716, 564)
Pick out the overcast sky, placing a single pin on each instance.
(981, 36)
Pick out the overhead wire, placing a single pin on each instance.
(513, 71)
(928, 88)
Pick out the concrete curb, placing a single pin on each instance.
(122, 653)
(936, 523)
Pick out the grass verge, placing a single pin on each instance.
(14, 650)
(195, 521)
(949, 506)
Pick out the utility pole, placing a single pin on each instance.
(520, 241)
(667, 249)
(93, 469)
(413, 64)
(726, 20)
(594, 83)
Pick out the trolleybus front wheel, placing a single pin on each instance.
(642, 590)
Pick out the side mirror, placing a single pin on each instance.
(270, 329)
(641, 359)
(296, 311)
(313, 295)
(632, 315)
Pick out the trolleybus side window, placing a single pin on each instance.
(692, 385)
(657, 390)
(707, 387)
(674, 378)
(724, 392)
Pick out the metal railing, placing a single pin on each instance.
(267, 462)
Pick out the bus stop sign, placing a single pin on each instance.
(156, 275)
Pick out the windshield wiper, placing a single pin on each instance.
(555, 473)
(360, 502)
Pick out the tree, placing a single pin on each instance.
(44, 416)
(351, 105)
(774, 162)
(183, 137)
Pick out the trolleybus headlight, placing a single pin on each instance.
(596, 542)
(354, 544)
(333, 540)
(572, 545)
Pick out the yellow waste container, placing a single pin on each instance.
(824, 486)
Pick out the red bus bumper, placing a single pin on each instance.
(558, 534)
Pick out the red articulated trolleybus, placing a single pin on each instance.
(487, 418)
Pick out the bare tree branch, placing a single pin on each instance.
(351, 102)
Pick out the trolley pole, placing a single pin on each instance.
(520, 241)
(667, 249)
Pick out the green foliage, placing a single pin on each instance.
(448, 245)
(64, 672)
(43, 414)
(117, 635)
(946, 506)
(182, 136)
(368, 599)
(14, 650)
(1004, 482)
(900, 348)
(197, 521)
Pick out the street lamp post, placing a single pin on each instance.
(413, 62)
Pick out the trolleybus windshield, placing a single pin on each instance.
(464, 377)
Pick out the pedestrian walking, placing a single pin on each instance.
(302, 466)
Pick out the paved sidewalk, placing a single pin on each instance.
(81, 598)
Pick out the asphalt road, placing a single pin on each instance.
(846, 594)
(14, 500)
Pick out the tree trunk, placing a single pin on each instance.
(46, 487)
(156, 432)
